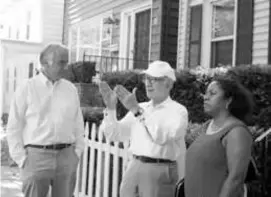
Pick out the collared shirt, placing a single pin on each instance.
(166, 123)
(43, 113)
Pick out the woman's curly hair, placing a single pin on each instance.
(242, 102)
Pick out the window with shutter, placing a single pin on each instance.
(222, 30)
(223, 33)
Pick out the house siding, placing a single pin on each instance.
(117, 15)
(260, 33)
(52, 20)
(164, 23)
(80, 10)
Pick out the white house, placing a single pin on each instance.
(126, 33)
(26, 27)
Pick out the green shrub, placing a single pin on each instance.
(130, 80)
(258, 80)
(89, 95)
(80, 72)
(190, 86)
(4, 119)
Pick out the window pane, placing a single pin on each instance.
(73, 38)
(196, 17)
(222, 53)
(73, 55)
(195, 36)
(194, 55)
(223, 18)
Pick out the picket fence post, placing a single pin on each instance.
(94, 173)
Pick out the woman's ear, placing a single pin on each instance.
(228, 103)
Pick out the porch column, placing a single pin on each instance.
(2, 88)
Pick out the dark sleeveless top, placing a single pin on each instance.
(206, 164)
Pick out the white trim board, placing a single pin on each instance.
(127, 44)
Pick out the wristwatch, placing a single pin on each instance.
(139, 112)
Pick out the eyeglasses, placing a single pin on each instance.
(153, 79)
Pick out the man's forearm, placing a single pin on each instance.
(113, 129)
(79, 146)
(16, 147)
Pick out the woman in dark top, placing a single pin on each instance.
(217, 161)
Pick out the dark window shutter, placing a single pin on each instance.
(244, 32)
(169, 31)
(195, 36)
(269, 42)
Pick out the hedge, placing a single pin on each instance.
(188, 90)
(190, 86)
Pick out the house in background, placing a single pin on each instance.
(26, 27)
(224, 32)
(121, 34)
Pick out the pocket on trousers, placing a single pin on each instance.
(24, 162)
(75, 154)
(172, 173)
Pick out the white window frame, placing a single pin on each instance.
(206, 47)
(225, 38)
(195, 2)
(131, 12)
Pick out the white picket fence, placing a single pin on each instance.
(99, 172)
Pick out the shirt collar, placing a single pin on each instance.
(45, 80)
(162, 104)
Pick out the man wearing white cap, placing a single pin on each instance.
(156, 131)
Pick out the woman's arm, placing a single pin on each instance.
(238, 145)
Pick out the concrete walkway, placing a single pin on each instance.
(10, 182)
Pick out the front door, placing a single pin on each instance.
(142, 39)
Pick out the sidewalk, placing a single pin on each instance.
(10, 182)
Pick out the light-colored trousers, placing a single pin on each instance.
(149, 180)
(49, 168)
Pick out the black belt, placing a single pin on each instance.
(51, 147)
(145, 159)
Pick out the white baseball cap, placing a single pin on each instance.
(160, 69)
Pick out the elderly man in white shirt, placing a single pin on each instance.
(45, 128)
(156, 131)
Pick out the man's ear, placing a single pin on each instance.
(169, 84)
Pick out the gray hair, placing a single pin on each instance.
(51, 49)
